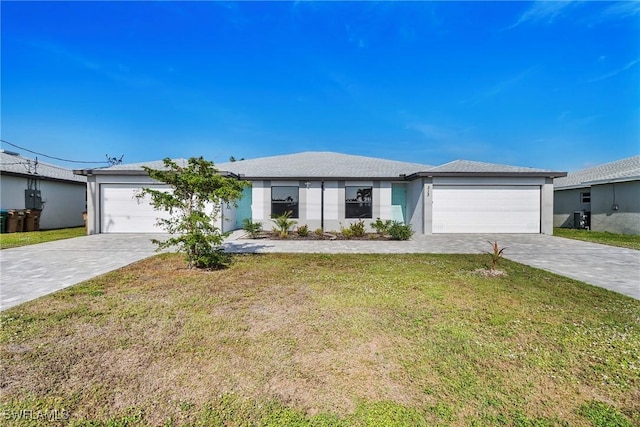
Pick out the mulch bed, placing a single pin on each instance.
(313, 236)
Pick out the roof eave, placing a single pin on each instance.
(134, 172)
(323, 178)
(613, 180)
(488, 174)
(41, 177)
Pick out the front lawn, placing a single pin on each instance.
(14, 240)
(296, 340)
(604, 237)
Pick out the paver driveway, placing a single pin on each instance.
(32, 271)
(29, 272)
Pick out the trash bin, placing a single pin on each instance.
(32, 219)
(15, 221)
(4, 215)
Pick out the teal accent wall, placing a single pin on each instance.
(244, 207)
(399, 202)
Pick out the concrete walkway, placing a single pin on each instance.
(32, 271)
(29, 272)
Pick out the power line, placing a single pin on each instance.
(49, 157)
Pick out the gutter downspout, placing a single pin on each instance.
(322, 205)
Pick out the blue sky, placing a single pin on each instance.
(553, 85)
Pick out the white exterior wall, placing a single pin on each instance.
(383, 201)
(258, 200)
(63, 202)
(310, 200)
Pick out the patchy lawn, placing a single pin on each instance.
(604, 237)
(14, 240)
(365, 340)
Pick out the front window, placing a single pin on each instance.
(358, 202)
(284, 199)
(585, 197)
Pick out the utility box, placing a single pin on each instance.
(15, 221)
(580, 220)
(32, 199)
(32, 220)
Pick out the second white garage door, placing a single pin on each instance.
(122, 212)
(486, 209)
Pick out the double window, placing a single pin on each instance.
(284, 199)
(358, 202)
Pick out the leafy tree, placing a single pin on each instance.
(193, 188)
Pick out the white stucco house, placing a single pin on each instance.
(607, 195)
(327, 190)
(31, 184)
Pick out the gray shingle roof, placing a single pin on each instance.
(156, 164)
(16, 164)
(621, 170)
(321, 165)
(462, 166)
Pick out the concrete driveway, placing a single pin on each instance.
(29, 272)
(33, 271)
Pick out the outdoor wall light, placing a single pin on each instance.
(307, 184)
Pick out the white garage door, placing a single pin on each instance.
(122, 212)
(486, 209)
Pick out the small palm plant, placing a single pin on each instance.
(253, 228)
(495, 255)
(283, 224)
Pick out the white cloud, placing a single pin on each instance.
(615, 72)
(500, 87)
(543, 11)
(623, 9)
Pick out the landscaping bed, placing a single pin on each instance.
(274, 235)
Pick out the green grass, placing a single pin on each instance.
(325, 340)
(14, 240)
(604, 237)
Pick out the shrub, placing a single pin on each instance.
(347, 233)
(400, 231)
(381, 227)
(319, 232)
(303, 230)
(356, 229)
(283, 224)
(253, 228)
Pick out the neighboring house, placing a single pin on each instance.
(31, 184)
(607, 195)
(329, 190)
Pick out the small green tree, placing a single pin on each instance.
(193, 230)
